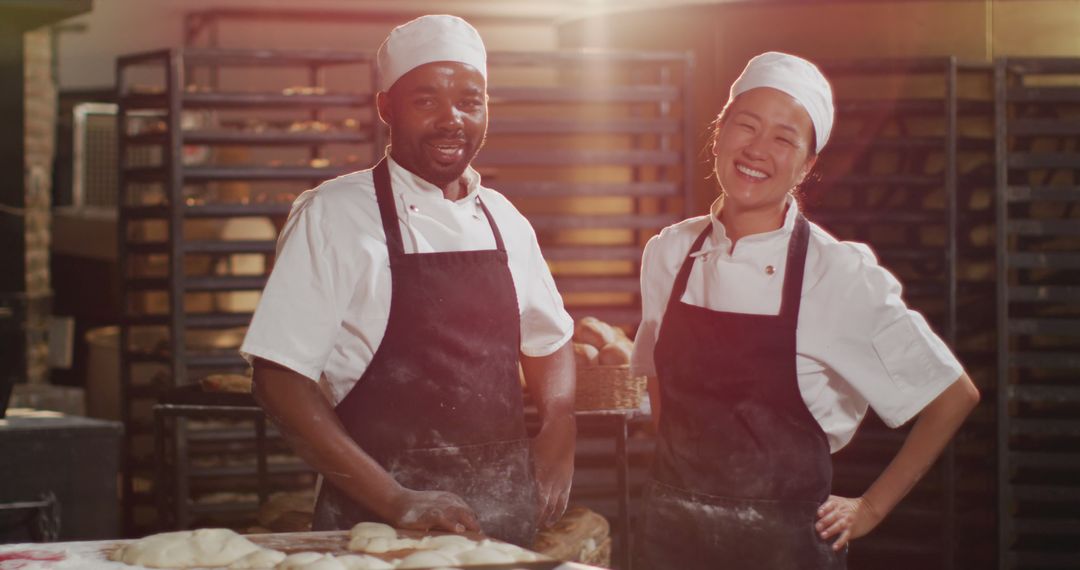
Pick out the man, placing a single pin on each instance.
(386, 345)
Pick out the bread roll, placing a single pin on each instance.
(231, 383)
(569, 538)
(616, 353)
(593, 331)
(585, 355)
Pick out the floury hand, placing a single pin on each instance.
(428, 510)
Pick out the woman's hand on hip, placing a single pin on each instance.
(845, 519)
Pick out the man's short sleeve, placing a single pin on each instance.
(545, 324)
(301, 308)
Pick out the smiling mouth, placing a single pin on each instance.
(447, 152)
(750, 172)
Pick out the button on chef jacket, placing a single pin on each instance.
(857, 343)
(326, 304)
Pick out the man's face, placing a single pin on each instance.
(437, 115)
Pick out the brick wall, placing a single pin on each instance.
(40, 114)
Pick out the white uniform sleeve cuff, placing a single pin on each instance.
(547, 348)
(944, 377)
(250, 353)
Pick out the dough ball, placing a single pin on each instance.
(585, 355)
(309, 561)
(591, 330)
(261, 558)
(363, 562)
(378, 538)
(616, 353)
(372, 529)
(427, 559)
(485, 555)
(382, 544)
(185, 548)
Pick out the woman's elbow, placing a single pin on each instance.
(969, 393)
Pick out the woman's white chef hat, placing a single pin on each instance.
(796, 77)
(429, 39)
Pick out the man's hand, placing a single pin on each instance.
(849, 518)
(551, 380)
(554, 461)
(427, 510)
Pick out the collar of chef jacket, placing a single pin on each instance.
(718, 242)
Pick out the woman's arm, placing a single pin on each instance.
(937, 423)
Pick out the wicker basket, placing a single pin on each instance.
(608, 388)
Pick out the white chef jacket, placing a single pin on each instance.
(857, 343)
(326, 304)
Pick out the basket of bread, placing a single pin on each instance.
(602, 354)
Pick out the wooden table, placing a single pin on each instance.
(614, 422)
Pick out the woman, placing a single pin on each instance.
(765, 339)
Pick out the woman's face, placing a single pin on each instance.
(762, 149)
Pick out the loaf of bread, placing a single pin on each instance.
(288, 511)
(616, 353)
(593, 331)
(231, 383)
(577, 533)
(585, 354)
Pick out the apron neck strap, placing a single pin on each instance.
(385, 197)
(793, 273)
(683, 276)
(491, 222)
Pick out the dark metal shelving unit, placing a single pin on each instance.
(1038, 311)
(189, 120)
(171, 193)
(623, 118)
(892, 177)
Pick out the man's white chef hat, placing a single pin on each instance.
(429, 39)
(796, 77)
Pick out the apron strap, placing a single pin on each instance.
(683, 276)
(793, 272)
(385, 198)
(491, 222)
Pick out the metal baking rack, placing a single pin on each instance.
(596, 149)
(909, 145)
(631, 160)
(228, 138)
(1038, 311)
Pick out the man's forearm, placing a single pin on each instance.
(551, 381)
(296, 405)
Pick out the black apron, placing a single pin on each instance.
(440, 405)
(741, 465)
